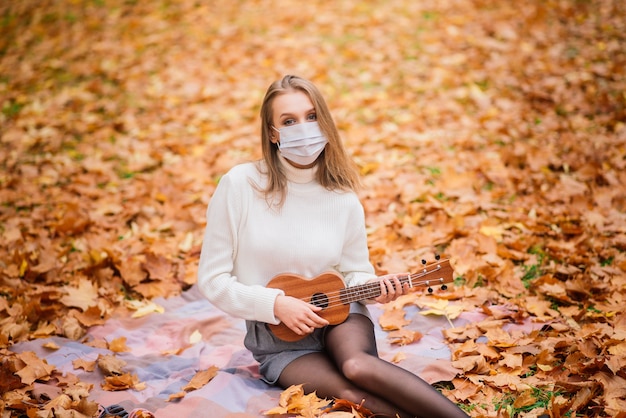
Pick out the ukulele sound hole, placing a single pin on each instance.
(319, 299)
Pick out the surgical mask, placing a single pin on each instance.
(301, 143)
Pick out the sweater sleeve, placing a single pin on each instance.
(355, 265)
(225, 214)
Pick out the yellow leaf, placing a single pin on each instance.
(443, 308)
(494, 231)
(23, 268)
(143, 307)
(545, 367)
(195, 337)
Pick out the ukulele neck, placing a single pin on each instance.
(372, 290)
(358, 293)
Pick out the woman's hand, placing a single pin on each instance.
(297, 315)
(390, 287)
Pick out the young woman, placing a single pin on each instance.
(296, 211)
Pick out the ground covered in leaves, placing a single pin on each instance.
(492, 133)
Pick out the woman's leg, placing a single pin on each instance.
(352, 345)
(316, 372)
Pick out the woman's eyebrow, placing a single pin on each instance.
(291, 114)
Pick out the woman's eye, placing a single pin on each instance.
(312, 116)
(288, 122)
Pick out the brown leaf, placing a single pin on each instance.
(393, 319)
(110, 365)
(34, 369)
(118, 345)
(88, 366)
(293, 401)
(404, 336)
(83, 296)
(157, 266)
(201, 378)
(120, 382)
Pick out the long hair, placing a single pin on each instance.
(336, 170)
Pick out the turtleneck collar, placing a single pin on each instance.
(297, 175)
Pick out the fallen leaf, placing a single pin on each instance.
(201, 378)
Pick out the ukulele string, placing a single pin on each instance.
(336, 298)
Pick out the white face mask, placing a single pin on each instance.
(301, 143)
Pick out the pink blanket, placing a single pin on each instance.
(236, 390)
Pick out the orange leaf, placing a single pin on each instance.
(404, 336)
(201, 378)
(393, 319)
(88, 366)
(35, 369)
(118, 345)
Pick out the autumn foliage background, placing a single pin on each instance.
(490, 132)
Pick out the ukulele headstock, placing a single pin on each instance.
(437, 273)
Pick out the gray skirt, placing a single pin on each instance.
(274, 354)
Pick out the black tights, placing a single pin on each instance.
(351, 369)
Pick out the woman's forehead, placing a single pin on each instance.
(292, 102)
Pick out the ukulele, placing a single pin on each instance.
(329, 292)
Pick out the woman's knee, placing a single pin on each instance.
(358, 367)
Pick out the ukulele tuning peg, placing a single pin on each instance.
(423, 261)
(430, 290)
(437, 257)
(444, 287)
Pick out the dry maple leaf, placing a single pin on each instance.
(67, 380)
(475, 364)
(72, 328)
(404, 336)
(157, 266)
(62, 401)
(398, 357)
(34, 369)
(131, 270)
(44, 330)
(8, 379)
(143, 307)
(122, 381)
(51, 345)
(83, 296)
(393, 319)
(90, 317)
(293, 401)
(201, 378)
(110, 365)
(357, 411)
(441, 307)
(176, 396)
(118, 345)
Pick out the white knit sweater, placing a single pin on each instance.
(247, 243)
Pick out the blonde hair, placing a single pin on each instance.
(336, 170)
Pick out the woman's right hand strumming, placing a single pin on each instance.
(299, 316)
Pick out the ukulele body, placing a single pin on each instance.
(324, 291)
